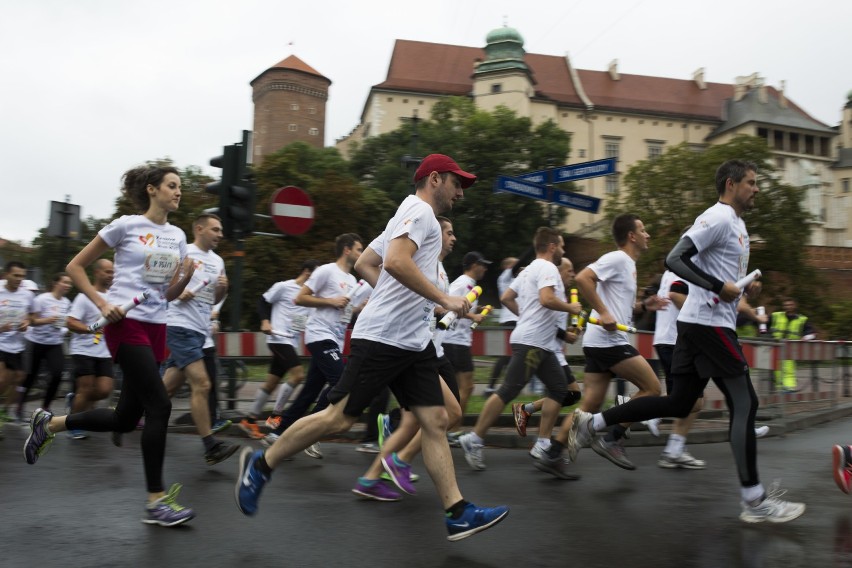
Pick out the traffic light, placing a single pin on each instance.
(236, 191)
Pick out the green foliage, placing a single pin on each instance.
(669, 191)
(837, 325)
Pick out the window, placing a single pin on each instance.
(313, 131)
(293, 128)
(496, 88)
(390, 99)
(294, 106)
(612, 184)
(312, 110)
(581, 153)
(655, 150)
(845, 185)
(404, 101)
(611, 148)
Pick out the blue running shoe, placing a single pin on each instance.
(166, 512)
(399, 472)
(385, 430)
(39, 439)
(474, 519)
(250, 482)
(220, 425)
(69, 403)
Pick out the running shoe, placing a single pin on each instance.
(555, 467)
(314, 451)
(273, 422)
(613, 451)
(683, 461)
(653, 426)
(220, 452)
(453, 439)
(473, 520)
(761, 431)
(250, 428)
(412, 477)
(77, 434)
(772, 509)
(538, 451)
(472, 452)
(69, 403)
(250, 482)
(521, 418)
(39, 439)
(367, 448)
(399, 472)
(269, 439)
(220, 426)
(378, 490)
(385, 430)
(581, 433)
(166, 512)
(842, 468)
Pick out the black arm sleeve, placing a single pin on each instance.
(680, 262)
(264, 309)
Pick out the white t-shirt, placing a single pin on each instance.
(195, 314)
(396, 315)
(47, 306)
(89, 344)
(328, 281)
(286, 315)
(460, 332)
(503, 282)
(665, 331)
(147, 255)
(723, 252)
(616, 273)
(438, 333)
(562, 323)
(536, 324)
(15, 307)
(208, 341)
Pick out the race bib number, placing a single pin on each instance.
(160, 267)
(743, 266)
(207, 294)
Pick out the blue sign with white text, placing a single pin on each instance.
(573, 172)
(543, 193)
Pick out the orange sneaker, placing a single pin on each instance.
(250, 428)
(273, 422)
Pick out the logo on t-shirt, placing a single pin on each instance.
(147, 240)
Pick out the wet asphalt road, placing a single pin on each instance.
(81, 504)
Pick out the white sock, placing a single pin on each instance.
(259, 400)
(283, 395)
(476, 438)
(674, 446)
(598, 422)
(751, 494)
(543, 443)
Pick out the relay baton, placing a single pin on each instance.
(574, 319)
(450, 317)
(618, 326)
(283, 334)
(483, 313)
(125, 308)
(201, 285)
(741, 284)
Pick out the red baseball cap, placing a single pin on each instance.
(442, 164)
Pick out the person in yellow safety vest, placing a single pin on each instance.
(748, 319)
(787, 324)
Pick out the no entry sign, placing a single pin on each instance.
(292, 210)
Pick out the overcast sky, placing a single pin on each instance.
(91, 88)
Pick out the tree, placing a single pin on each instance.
(669, 191)
(488, 144)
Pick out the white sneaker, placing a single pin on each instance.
(772, 509)
(581, 429)
(538, 451)
(314, 451)
(683, 461)
(269, 439)
(653, 426)
(472, 452)
(761, 431)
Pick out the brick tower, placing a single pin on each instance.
(289, 105)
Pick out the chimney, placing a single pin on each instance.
(782, 98)
(613, 70)
(698, 77)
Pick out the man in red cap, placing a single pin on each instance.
(391, 347)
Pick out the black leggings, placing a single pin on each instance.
(55, 359)
(142, 391)
(742, 404)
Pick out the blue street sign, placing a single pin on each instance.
(576, 201)
(543, 193)
(573, 172)
(521, 187)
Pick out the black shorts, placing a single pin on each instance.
(284, 358)
(603, 359)
(12, 361)
(569, 375)
(87, 366)
(709, 352)
(448, 373)
(460, 357)
(664, 353)
(411, 375)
